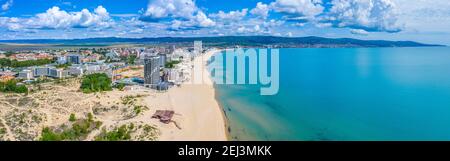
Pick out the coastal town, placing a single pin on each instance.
(106, 94)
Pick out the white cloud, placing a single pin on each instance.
(12, 24)
(202, 20)
(181, 14)
(160, 9)
(369, 15)
(289, 34)
(54, 18)
(199, 21)
(428, 18)
(299, 24)
(241, 29)
(424, 15)
(137, 31)
(251, 30)
(256, 28)
(230, 16)
(359, 32)
(272, 23)
(261, 10)
(298, 8)
(7, 5)
(323, 25)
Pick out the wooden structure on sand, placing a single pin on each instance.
(165, 116)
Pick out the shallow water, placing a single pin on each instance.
(347, 94)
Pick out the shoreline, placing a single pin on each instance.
(196, 109)
(225, 118)
(222, 110)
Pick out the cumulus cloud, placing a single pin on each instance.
(261, 10)
(289, 34)
(181, 14)
(368, 15)
(230, 16)
(241, 29)
(12, 24)
(199, 21)
(359, 17)
(7, 5)
(137, 31)
(323, 25)
(55, 18)
(359, 32)
(299, 24)
(202, 20)
(256, 28)
(298, 8)
(161, 9)
(251, 30)
(424, 15)
(272, 23)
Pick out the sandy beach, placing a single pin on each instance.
(201, 116)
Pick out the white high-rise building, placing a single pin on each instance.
(198, 47)
(151, 70)
(26, 74)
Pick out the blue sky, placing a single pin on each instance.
(418, 20)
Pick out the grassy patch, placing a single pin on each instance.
(122, 133)
(76, 131)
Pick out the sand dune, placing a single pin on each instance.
(197, 113)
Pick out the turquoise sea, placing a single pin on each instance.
(347, 94)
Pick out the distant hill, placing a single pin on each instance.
(230, 41)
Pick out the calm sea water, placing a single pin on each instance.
(347, 94)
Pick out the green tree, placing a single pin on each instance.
(11, 86)
(72, 118)
(171, 64)
(4, 62)
(27, 63)
(21, 89)
(131, 59)
(49, 135)
(96, 83)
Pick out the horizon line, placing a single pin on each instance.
(5, 40)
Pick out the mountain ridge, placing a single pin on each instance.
(310, 41)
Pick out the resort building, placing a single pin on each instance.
(58, 73)
(74, 59)
(76, 70)
(198, 48)
(173, 76)
(162, 59)
(152, 70)
(41, 71)
(92, 68)
(61, 60)
(26, 74)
